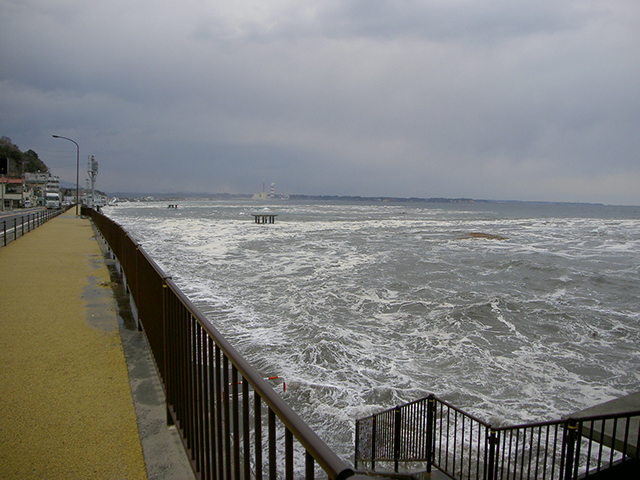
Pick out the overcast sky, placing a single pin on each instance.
(490, 99)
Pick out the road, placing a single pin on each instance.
(24, 220)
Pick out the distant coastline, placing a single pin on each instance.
(325, 198)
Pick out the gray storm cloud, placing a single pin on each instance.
(484, 99)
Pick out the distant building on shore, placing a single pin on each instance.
(263, 195)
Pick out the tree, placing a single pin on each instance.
(32, 163)
(20, 162)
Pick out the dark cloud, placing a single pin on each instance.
(491, 99)
(463, 21)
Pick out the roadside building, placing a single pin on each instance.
(37, 184)
(13, 192)
(53, 184)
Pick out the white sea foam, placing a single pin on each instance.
(362, 307)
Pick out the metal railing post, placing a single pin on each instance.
(570, 432)
(167, 383)
(136, 296)
(257, 413)
(492, 440)
(373, 443)
(396, 438)
(356, 450)
(430, 427)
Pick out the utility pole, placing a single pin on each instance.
(77, 168)
(4, 169)
(92, 170)
(23, 184)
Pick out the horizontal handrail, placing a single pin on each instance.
(202, 375)
(327, 459)
(606, 416)
(420, 400)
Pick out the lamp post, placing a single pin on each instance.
(77, 166)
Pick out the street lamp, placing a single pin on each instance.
(77, 166)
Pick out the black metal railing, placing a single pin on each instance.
(433, 432)
(231, 421)
(17, 226)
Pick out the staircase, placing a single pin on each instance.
(431, 434)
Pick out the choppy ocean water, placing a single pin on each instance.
(361, 307)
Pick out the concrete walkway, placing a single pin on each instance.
(65, 397)
(626, 404)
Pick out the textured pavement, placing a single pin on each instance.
(65, 399)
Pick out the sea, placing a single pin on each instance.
(513, 312)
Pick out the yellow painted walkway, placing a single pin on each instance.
(65, 402)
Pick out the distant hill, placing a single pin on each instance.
(159, 196)
(20, 162)
(180, 195)
(245, 196)
(348, 198)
